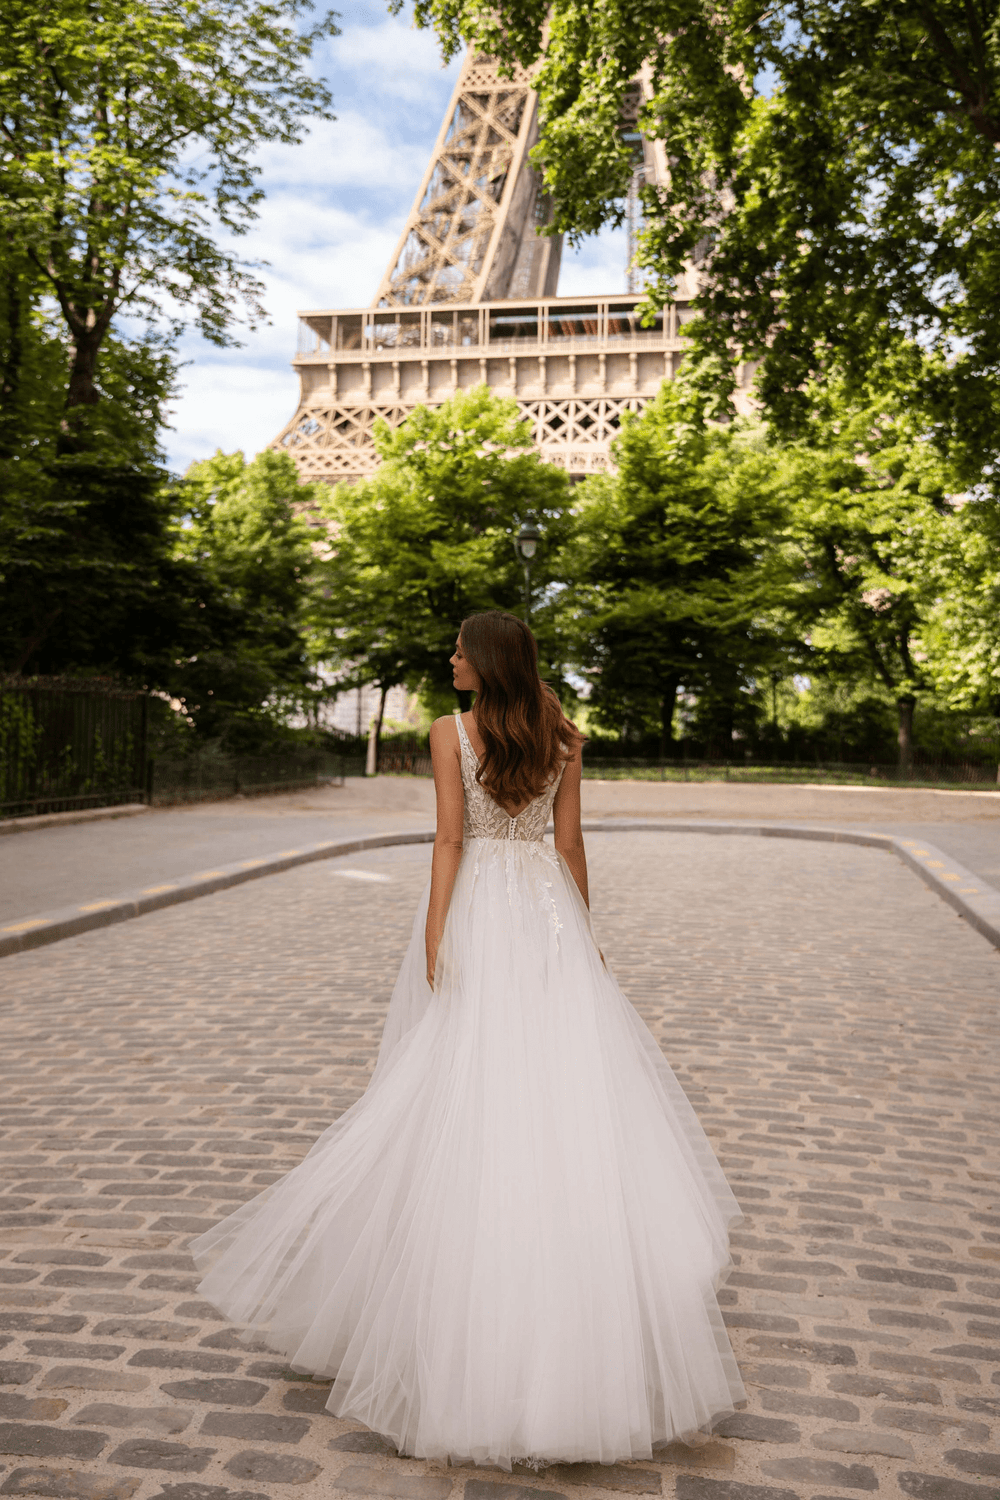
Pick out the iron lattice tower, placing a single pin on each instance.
(472, 232)
(470, 298)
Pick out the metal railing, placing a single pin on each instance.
(414, 760)
(395, 761)
(210, 777)
(972, 774)
(67, 745)
(611, 343)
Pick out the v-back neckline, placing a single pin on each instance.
(464, 733)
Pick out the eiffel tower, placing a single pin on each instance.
(470, 298)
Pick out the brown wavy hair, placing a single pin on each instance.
(526, 735)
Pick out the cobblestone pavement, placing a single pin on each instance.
(833, 1022)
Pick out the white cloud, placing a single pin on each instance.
(393, 57)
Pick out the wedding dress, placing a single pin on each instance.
(510, 1246)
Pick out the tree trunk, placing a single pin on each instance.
(375, 734)
(668, 703)
(82, 393)
(82, 390)
(906, 705)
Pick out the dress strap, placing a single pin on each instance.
(465, 742)
(467, 756)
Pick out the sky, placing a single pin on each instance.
(333, 211)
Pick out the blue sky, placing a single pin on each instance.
(334, 208)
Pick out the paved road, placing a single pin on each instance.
(834, 1024)
(64, 866)
(53, 867)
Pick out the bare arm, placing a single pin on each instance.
(566, 817)
(445, 757)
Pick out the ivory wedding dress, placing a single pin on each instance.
(510, 1246)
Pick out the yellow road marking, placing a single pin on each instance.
(153, 890)
(21, 926)
(97, 906)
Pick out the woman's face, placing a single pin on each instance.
(463, 674)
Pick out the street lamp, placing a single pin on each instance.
(526, 545)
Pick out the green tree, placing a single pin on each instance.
(429, 539)
(245, 542)
(129, 133)
(833, 171)
(675, 580)
(961, 630)
(75, 575)
(872, 518)
(85, 540)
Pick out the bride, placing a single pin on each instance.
(510, 1247)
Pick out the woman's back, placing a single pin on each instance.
(484, 817)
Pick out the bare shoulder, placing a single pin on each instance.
(574, 755)
(444, 732)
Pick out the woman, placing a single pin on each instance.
(510, 1246)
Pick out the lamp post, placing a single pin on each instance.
(526, 545)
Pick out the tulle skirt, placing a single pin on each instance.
(510, 1246)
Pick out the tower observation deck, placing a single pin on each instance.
(470, 298)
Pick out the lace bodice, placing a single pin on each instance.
(486, 819)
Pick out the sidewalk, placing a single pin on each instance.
(60, 866)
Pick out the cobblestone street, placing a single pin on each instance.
(833, 1022)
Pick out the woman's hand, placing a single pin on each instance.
(432, 948)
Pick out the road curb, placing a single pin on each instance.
(70, 921)
(59, 820)
(971, 897)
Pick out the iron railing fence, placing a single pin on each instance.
(210, 777)
(971, 774)
(401, 761)
(403, 755)
(68, 744)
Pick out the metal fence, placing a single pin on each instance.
(972, 774)
(209, 777)
(69, 745)
(405, 756)
(404, 760)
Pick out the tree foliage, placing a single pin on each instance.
(833, 171)
(429, 539)
(872, 519)
(674, 582)
(129, 130)
(128, 140)
(727, 560)
(250, 556)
